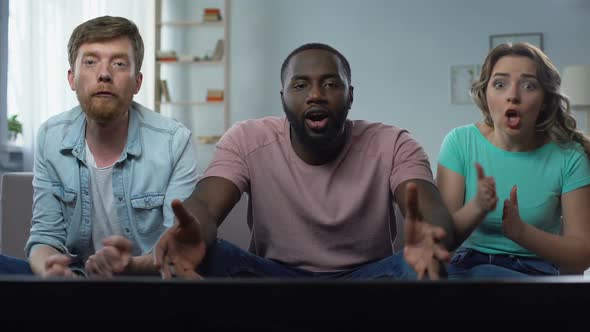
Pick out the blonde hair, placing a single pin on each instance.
(555, 119)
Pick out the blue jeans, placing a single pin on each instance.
(468, 263)
(227, 260)
(11, 265)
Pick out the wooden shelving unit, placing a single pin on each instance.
(184, 19)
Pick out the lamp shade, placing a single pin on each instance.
(576, 84)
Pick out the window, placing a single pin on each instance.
(38, 33)
(3, 68)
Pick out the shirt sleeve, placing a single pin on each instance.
(184, 171)
(229, 159)
(48, 225)
(577, 171)
(450, 154)
(409, 162)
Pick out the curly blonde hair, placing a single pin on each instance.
(555, 119)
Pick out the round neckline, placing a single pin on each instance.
(348, 137)
(511, 153)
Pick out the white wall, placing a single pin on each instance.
(400, 53)
(251, 68)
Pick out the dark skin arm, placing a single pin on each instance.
(427, 227)
(183, 246)
(430, 208)
(211, 201)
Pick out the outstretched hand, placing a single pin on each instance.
(181, 248)
(486, 198)
(512, 225)
(423, 250)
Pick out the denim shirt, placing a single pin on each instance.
(157, 165)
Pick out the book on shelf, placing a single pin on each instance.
(166, 56)
(188, 58)
(212, 10)
(211, 15)
(164, 93)
(214, 95)
(218, 52)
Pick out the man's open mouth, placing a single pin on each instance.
(316, 119)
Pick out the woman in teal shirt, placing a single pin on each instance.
(531, 214)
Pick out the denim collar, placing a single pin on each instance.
(75, 140)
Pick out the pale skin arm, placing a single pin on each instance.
(468, 216)
(46, 261)
(115, 259)
(183, 245)
(570, 251)
(142, 265)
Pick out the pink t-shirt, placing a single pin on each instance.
(329, 217)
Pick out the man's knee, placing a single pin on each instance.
(11, 265)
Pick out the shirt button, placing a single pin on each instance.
(120, 198)
(126, 230)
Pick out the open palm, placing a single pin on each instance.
(423, 249)
(181, 249)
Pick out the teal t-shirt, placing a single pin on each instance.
(541, 175)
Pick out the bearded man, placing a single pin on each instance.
(106, 171)
(321, 191)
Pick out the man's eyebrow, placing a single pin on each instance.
(120, 55)
(299, 77)
(323, 77)
(116, 55)
(89, 53)
(332, 75)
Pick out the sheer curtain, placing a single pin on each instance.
(38, 34)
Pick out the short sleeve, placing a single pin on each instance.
(409, 161)
(229, 159)
(451, 155)
(577, 171)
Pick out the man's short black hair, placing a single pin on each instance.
(315, 46)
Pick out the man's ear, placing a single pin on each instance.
(71, 80)
(351, 94)
(138, 81)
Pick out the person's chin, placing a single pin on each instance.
(319, 138)
(101, 118)
(317, 134)
(102, 113)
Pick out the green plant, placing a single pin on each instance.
(14, 125)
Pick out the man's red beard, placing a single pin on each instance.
(103, 110)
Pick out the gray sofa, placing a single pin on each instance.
(16, 200)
